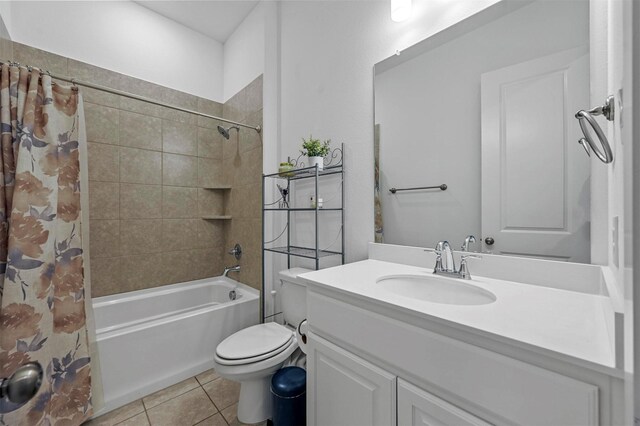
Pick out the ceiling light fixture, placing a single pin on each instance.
(400, 10)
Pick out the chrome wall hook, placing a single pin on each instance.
(608, 111)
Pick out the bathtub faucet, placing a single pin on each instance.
(230, 269)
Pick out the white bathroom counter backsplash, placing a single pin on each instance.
(581, 277)
(564, 321)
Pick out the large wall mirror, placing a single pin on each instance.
(487, 108)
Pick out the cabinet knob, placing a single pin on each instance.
(489, 241)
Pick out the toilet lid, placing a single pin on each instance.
(255, 341)
(286, 348)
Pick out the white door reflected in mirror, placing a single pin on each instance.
(535, 177)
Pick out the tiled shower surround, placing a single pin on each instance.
(149, 168)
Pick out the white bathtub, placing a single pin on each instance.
(150, 339)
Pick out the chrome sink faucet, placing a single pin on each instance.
(444, 253)
(445, 263)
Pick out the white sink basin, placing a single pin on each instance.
(437, 290)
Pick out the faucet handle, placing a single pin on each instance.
(437, 251)
(464, 257)
(438, 266)
(236, 251)
(464, 268)
(471, 256)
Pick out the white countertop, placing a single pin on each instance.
(567, 322)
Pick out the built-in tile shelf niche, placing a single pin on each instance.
(217, 216)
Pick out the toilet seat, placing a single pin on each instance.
(257, 358)
(254, 344)
(247, 370)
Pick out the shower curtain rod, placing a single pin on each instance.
(77, 82)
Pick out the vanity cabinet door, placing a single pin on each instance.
(417, 407)
(345, 390)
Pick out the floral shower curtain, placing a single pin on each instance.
(42, 285)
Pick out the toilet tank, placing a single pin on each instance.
(293, 296)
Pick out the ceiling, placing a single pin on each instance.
(216, 19)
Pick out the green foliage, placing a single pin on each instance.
(314, 147)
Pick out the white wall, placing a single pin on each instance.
(328, 50)
(429, 113)
(125, 37)
(244, 52)
(5, 20)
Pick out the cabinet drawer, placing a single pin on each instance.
(483, 381)
(417, 407)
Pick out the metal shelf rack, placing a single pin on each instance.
(333, 165)
(307, 252)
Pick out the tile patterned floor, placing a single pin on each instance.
(203, 400)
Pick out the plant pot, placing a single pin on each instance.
(316, 161)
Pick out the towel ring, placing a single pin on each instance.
(584, 117)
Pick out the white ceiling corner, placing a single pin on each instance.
(217, 19)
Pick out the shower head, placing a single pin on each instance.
(225, 131)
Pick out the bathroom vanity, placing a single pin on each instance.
(537, 347)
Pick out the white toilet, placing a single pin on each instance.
(252, 355)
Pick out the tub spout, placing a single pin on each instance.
(230, 269)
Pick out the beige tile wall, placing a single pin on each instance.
(147, 169)
(6, 49)
(242, 160)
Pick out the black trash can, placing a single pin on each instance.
(289, 393)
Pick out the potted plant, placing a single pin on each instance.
(315, 150)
